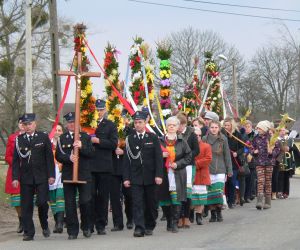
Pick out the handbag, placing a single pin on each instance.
(244, 169)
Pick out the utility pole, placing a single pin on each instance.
(55, 64)
(235, 96)
(28, 60)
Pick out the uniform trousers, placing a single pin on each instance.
(100, 196)
(27, 195)
(144, 202)
(70, 191)
(115, 199)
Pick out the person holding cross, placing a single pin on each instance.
(64, 154)
(33, 169)
(105, 142)
(142, 171)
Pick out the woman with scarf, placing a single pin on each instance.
(177, 155)
(219, 167)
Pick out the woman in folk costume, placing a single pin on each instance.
(15, 198)
(264, 158)
(202, 178)
(219, 167)
(177, 155)
(190, 137)
(237, 159)
(56, 193)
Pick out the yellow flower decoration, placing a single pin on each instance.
(151, 95)
(83, 49)
(93, 124)
(89, 89)
(83, 94)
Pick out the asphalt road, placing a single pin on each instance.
(243, 228)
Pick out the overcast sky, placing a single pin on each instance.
(119, 21)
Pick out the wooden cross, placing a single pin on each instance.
(78, 75)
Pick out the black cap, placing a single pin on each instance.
(140, 115)
(100, 104)
(20, 118)
(28, 117)
(70, 117)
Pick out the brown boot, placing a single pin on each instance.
(187, 223)
(181, 223)
(267, 204)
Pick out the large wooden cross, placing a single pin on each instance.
(78, 75)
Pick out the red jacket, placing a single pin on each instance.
(9, 153)
(202, 162)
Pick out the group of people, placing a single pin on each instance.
(195, 167)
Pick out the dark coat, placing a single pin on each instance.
(63, 152)
(39, 166)
(182, 159)
(108, 135)
(236, 146)
(192, 140)
(143, 170)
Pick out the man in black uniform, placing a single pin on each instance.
(142, 171)
(64, 155)
(105, 143)
(33, 166)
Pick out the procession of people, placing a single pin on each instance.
(197, 166)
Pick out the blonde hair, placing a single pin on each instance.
(232, 122)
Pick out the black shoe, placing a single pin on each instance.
(72, 237)
(101, 232)
(20, 227)
(219, 215)
(192, 215)
(87, 233)
(138, 233)
(252, 197)
(213, 217)
(174, 227)
(205, 212)
(46, 232)
(199, 219)
(129, 225)
(27, 238)
(115, 229)
(148, 232)
(242, 202)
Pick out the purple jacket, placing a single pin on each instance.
(263, 158)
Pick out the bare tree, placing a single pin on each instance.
(188, 43)
(274, 68)
(12, 62)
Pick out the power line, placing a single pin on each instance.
(215, 11)
(242, 6)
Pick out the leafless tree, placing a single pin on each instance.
(190, 42)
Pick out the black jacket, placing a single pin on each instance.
(142, 171)
(63, 151)
(37, 167)
(108, 135)
(191, 138)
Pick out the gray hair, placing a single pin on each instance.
(173, 119)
